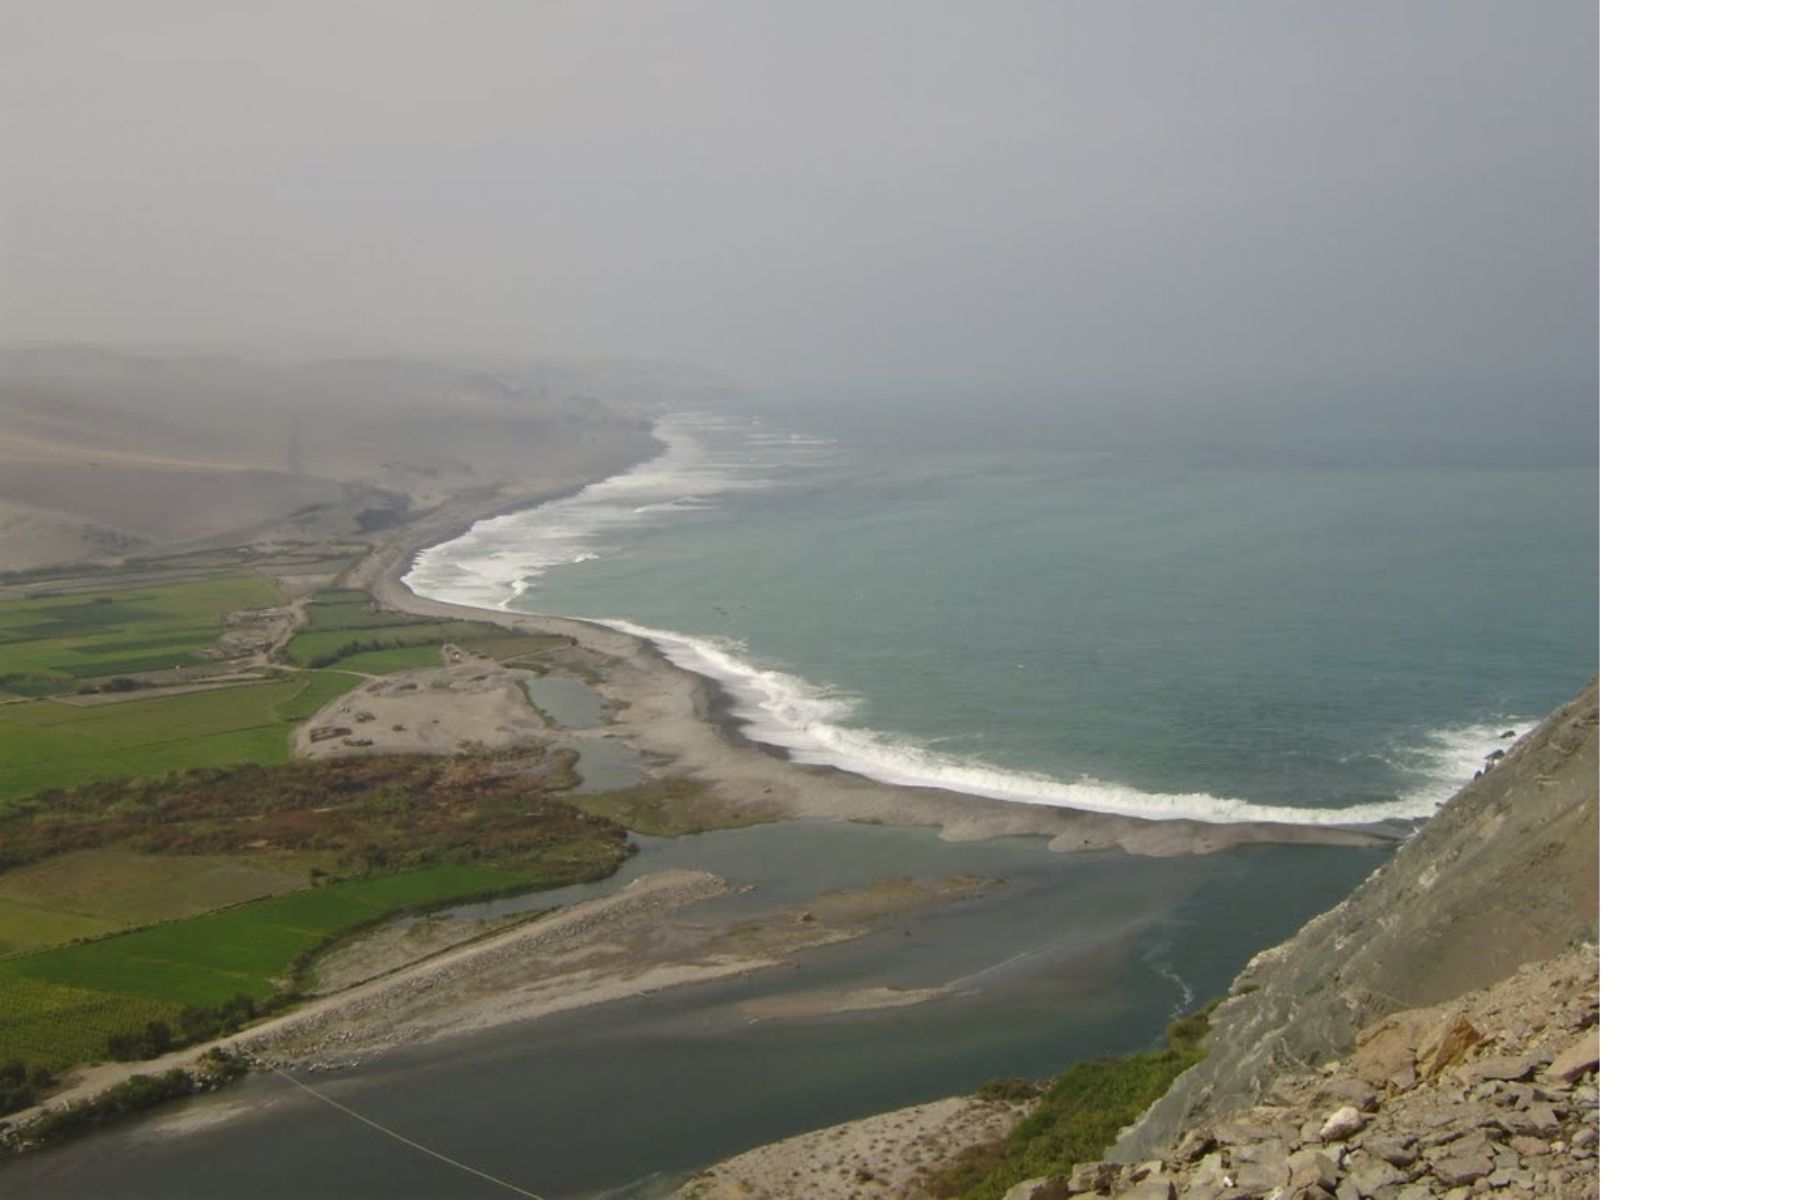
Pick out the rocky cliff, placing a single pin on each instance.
(1495, 1093)
(1507, 873)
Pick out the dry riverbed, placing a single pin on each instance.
(641, 939)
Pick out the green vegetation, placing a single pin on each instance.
(672, 807)
(52, 644)
(514, 646)
(76, 1002)
(385, 662)
(385, 835)
(136, 1094)
(343, 628)
(27, 926)
(360, 815)
(321, 649)
(21, 1085)
(86, 893)
(347, 608)
(46, 744)
(1079, 1116)
(168, 875)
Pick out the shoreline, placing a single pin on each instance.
(683, 724)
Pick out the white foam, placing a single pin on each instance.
(494, 563)
(806, 720)
(496, 560)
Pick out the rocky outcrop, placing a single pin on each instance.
(1505, 874)
(1494, 1093)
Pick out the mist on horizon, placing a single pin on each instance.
(1370, 226)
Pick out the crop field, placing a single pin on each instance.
(400, 658)
(503, 648)
(28, 926)
(343, 630)
(85, 893)
(343, 608)
(54, 1026)
(60, 1006)
(44, 744)
(325, 647)
(51, 644)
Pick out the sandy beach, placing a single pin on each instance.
(680, 722)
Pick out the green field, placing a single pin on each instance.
(344, 608)
(28, 926)
(60, 1006)
(51, 644)
(514, 646)
(325, 647)
(384, 662)
(343, 629)
(85, 893)
(44, 744)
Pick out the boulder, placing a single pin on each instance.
(1149, 1189)
(1385, 1048)
(1092, 1176)
(1578, 1058)
(1393, 1149)
(1149, 1169)
(1209, 1178)
(1506, 1067)
(1371, 1175)
(1261, 1167)
(1446, 1045)
(1342, 1123)
(1195, 1145)
(1535, 1120)
(1349, 1089)
(1311, 1167)
(1462, 1169)
(1039, 1189)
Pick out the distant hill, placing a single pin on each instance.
(104, 453)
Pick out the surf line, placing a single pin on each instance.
(403, 1139)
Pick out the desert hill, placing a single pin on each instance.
(104, 453)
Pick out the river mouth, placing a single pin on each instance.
(1076, 955)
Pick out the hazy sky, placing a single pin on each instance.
(820, 198)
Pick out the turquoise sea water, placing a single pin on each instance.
(1145, 629)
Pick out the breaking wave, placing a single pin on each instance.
(806, 720)
(495, 562)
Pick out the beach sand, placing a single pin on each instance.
(681, 723)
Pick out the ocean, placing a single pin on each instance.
(1146, 629)
(1130, 624)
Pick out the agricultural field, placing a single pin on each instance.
(166, 870)
(63, 1006)
(85, 893)
(344, 630)
(57, 643)
(45, 744)
(345, 842)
